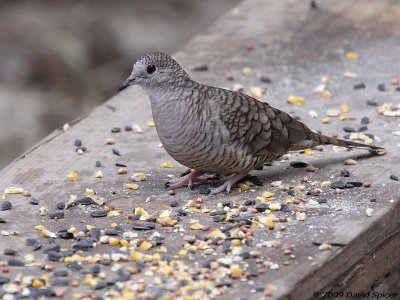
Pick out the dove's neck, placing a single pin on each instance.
(170, 97)
(174, 108)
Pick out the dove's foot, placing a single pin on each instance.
(187, 180)
(227, 185)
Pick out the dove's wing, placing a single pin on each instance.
(258, 127)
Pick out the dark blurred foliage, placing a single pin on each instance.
(59, 59)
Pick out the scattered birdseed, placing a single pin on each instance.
(325, 247)
(333, 112)
(174, 203)
(372, 103)
(137, 129)
(248, 71)
(204, 191)
(9, 252)
(34, 243)
(116, 152)
(122, 171)
(151, 124)
(110, 141)
(5, 205)
(326, 120)
(56, 215)
(13, 191)
(296, 100)
(394, 177)
(298, 164)
(4, 280)
(256, 92)
(350, 162)
(138, 177)
(237, 87)
(349, 75)
(326, 95)
(98, 214)
(116, 129)
(261, 207)
(166, 165)
(73, 176)
(200, 67)
(66, 127)
(381, 87)
(143, 226)
(313, 114)
(365, 121)
(369, 211)
(13, 262)
(359, 86)
(311, 168)
(265, 79)
(43, 211)
(301, 216)
(394, 81)
(132, 186)
(243, 186)
(396, 133)
(98, 164)
(349, 129)
(352, 55)
(345, 173)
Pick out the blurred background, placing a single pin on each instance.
(59, 59)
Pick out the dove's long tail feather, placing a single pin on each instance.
(321, 139)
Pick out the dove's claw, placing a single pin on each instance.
(227, 185)
(187, 180)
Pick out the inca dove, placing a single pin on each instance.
(209, 129)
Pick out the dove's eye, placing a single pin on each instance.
(150, 69)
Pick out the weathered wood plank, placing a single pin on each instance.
(295, 47)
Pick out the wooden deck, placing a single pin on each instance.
(295, 46)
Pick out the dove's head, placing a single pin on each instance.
(154, 71)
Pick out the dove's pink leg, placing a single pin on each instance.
(227, 185)
(187, 180)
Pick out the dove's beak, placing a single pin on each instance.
(129, 81)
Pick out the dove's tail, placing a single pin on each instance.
(321, 139)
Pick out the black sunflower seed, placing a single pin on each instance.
(33, 201)
(5, 205)
(78, 142)
(56, 215)
(381, 87)
(98, 214)
(261, 207)
(116, 152)
(365, 121)
(265, 79)
(200, 67)
(298, 164)
(60, 205)
(359, 86)
(143, 226)
(13, 262)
